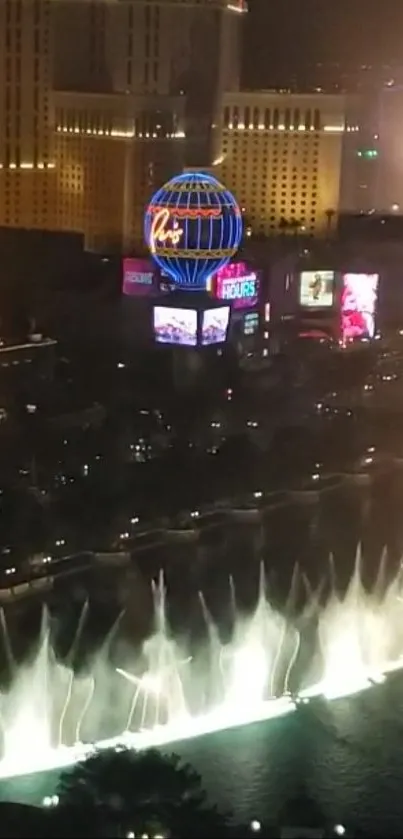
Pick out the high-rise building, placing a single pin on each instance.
(135, 101)
(103, 101)
(360, 169)
(382, 149)
(372, 179)
(112, 151)
(281, 154)
(27, 153)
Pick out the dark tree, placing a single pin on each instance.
(18, 821)
(121, 791)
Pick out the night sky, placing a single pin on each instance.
(285, 36)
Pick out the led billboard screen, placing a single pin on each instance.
(215, 325)
(359, 297)
(316, 289)
(175, 326)
(139, 278)
(251, 323)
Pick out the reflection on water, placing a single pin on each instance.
(348, 755)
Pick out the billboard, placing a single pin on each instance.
(175, 326)
(139, 278)
(251, 323)
(359, 297)
(215, 325)
(237, 284)
(316, 290)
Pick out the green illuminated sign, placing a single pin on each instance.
(367, 154)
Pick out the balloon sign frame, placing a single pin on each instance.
(193, 227)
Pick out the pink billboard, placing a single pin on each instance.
(139, 277)
(236, 284)
(358, 306)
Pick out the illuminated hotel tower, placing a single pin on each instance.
(205, 62)
(187, 48)
(102, 101)
(139, 72)
(281, 154)
(26, 120)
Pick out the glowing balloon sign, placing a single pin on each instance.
(193, 227)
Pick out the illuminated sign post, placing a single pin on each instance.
(359, 298)
(236, 283)
(193, 227)
(317, 289)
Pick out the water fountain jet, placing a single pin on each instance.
(178, 693)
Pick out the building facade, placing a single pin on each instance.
(103, 101)
(27, 141)
(281, 154)
(112, 151)
(372, 170)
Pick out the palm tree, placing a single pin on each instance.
(120, 791)
(17, 820)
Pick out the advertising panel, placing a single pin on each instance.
(215, 325)
(316, 289)
(139, 279)
(251, 323)
(237, 284)
(358, 305)
(175, 326)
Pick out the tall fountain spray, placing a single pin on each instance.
(27, 724)
(34, 707)
(160, 689)
(171, 692)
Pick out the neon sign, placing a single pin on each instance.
(162, 234)
(193, 226)
(235, 284)
(251, 323)
(244, 287)
(138, 277)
